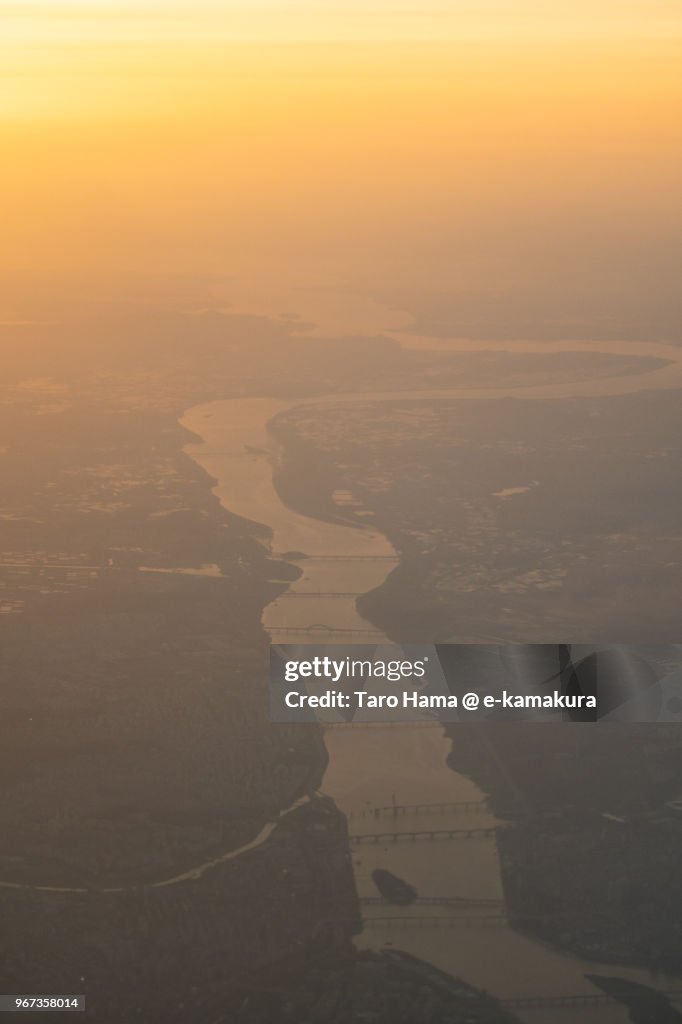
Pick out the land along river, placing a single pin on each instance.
(373, 768)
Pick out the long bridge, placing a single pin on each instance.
(290, 595)
(315, 632)
(348, 558)
(402, 810)
(435, 921)
(465, 902)
(431, 835)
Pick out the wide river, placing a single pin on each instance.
(376, 767)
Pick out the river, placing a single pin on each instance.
(376, 767)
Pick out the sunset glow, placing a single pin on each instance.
(378, 141)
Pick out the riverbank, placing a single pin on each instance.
(388, 987)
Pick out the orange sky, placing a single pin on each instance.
(317, 19)
(387, 142)
(62, 58)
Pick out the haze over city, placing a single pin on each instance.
(354, 325)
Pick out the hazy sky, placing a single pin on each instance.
(487, 148)
(323, 18)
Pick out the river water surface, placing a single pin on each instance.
(378, 767)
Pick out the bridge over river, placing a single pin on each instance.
(430, 835)
(465, 902)
(316, 633)
(404, 810)
(346, 558)
(380, 922)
